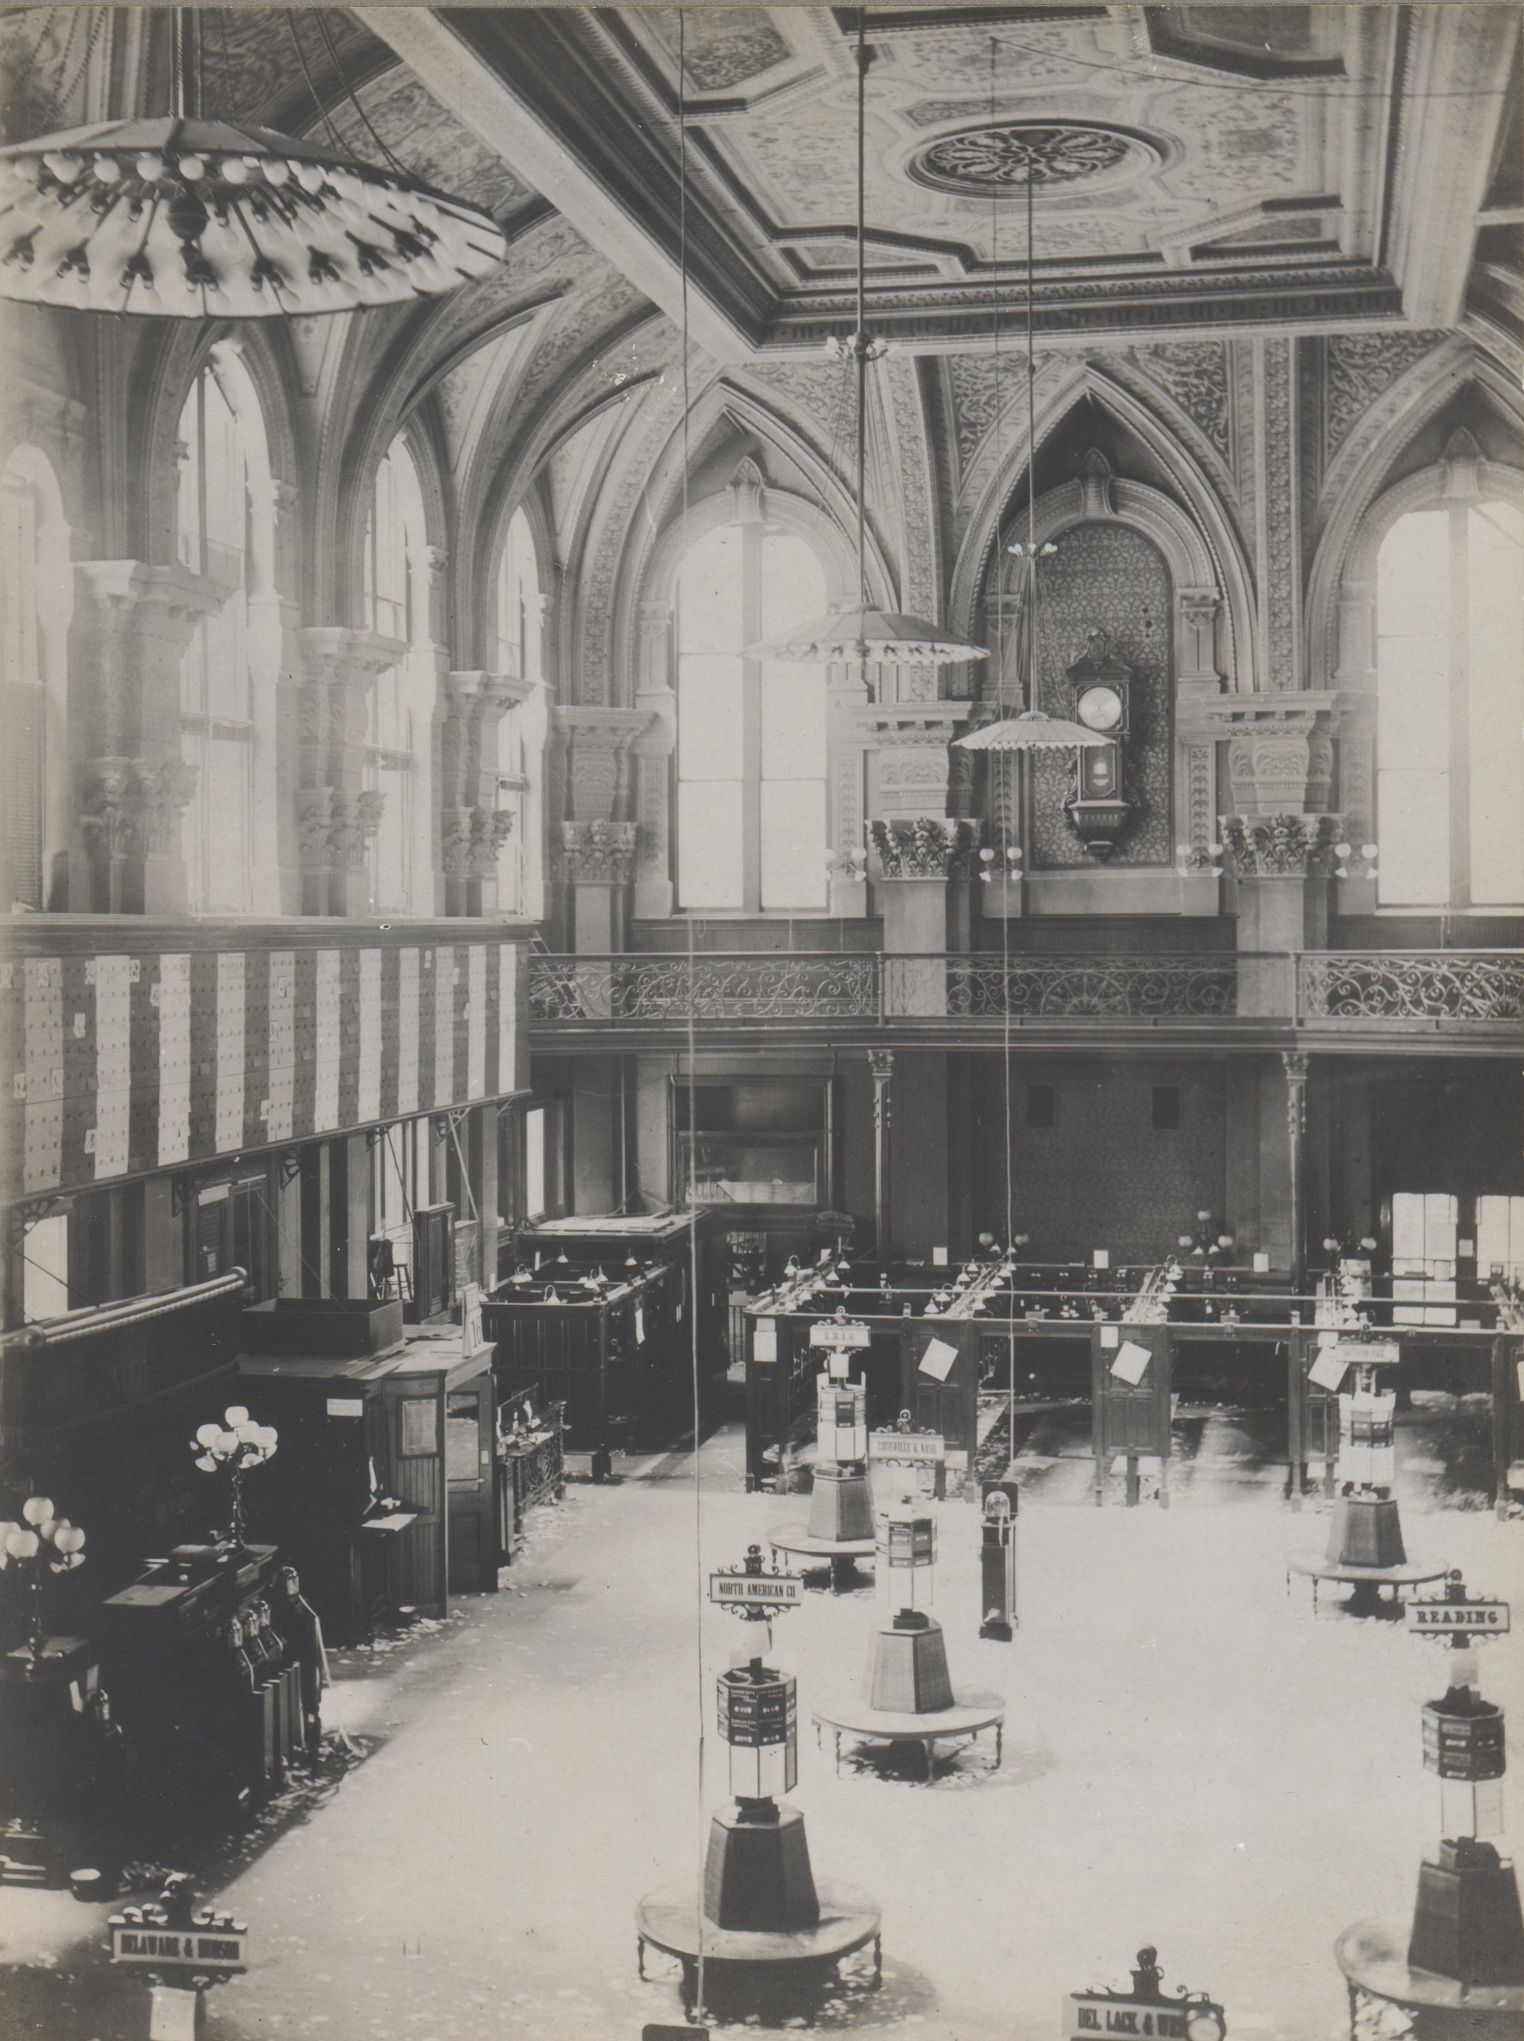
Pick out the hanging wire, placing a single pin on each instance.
(692, 1029)
(318, 106)
(349, 93)
(1010, 772)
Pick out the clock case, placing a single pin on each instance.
(1099, 811)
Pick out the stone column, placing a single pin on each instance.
(1279, 839)
(599, 836)
(921, 851)
(472, 828)
(336, 815)
(129, 636)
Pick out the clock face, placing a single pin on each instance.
(1099, 708)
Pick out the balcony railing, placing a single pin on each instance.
(791, 986)
(1453, 986)
(1434, 990)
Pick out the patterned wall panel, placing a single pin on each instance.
(129, 1061)
(1107, 577)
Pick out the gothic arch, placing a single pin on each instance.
(1348, 620)
(1199, 541)
(1338, 574)
(825, 521)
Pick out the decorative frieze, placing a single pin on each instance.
(1279, 846)
(1280, 748)
(924, 846)
(597, 852)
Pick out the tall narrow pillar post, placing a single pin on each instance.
(881, 1064)
(1294, 1062)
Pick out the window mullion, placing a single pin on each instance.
(751, 719)
(1460, 709)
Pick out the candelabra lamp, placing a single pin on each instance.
(40, 1545)
(237, 1444)
(1466, 1923)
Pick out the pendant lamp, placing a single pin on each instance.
(183, 217)
(864, 634)
(1031, 729)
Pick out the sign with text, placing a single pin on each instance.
(938, 1359)
(1089, 2014)
(906, 1446)
(1131, 1363)
(834, 1332)
(203, 1948)
(1377, 1353)
(756, 1590)
(1440, 1619)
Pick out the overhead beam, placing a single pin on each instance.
(515, 117)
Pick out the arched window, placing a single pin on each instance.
(399, 733)
(1450, 671)
(751, 734)
(229, 670)
(521, 734)
(35, 604)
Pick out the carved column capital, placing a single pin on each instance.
(131, 807)
(472, 839)
(923, 846)
(1279, 846)
(597, 852)
(334, 828)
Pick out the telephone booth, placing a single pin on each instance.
(1130, 1369)
(939, 1377)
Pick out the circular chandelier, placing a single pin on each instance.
(193, 218)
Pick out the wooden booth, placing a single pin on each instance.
(616, 1241)
(381, 1489)
(614, 1350)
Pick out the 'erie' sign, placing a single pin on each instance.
(1088, 2016)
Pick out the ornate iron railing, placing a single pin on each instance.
(1044, 986)
(1449, 985)
(815, 985)
(772, 985)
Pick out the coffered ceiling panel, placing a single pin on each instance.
(1228, 166)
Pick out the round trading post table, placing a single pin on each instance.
(973, 1709)
(1374, 1961)
(842, 1554)
(1367, 1581)
(671, 1919)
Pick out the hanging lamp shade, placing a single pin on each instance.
(1031, 731)
(191, 218)
(875, 634)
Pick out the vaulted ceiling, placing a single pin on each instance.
(1211, 169)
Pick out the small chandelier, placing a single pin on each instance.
(184, 217)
